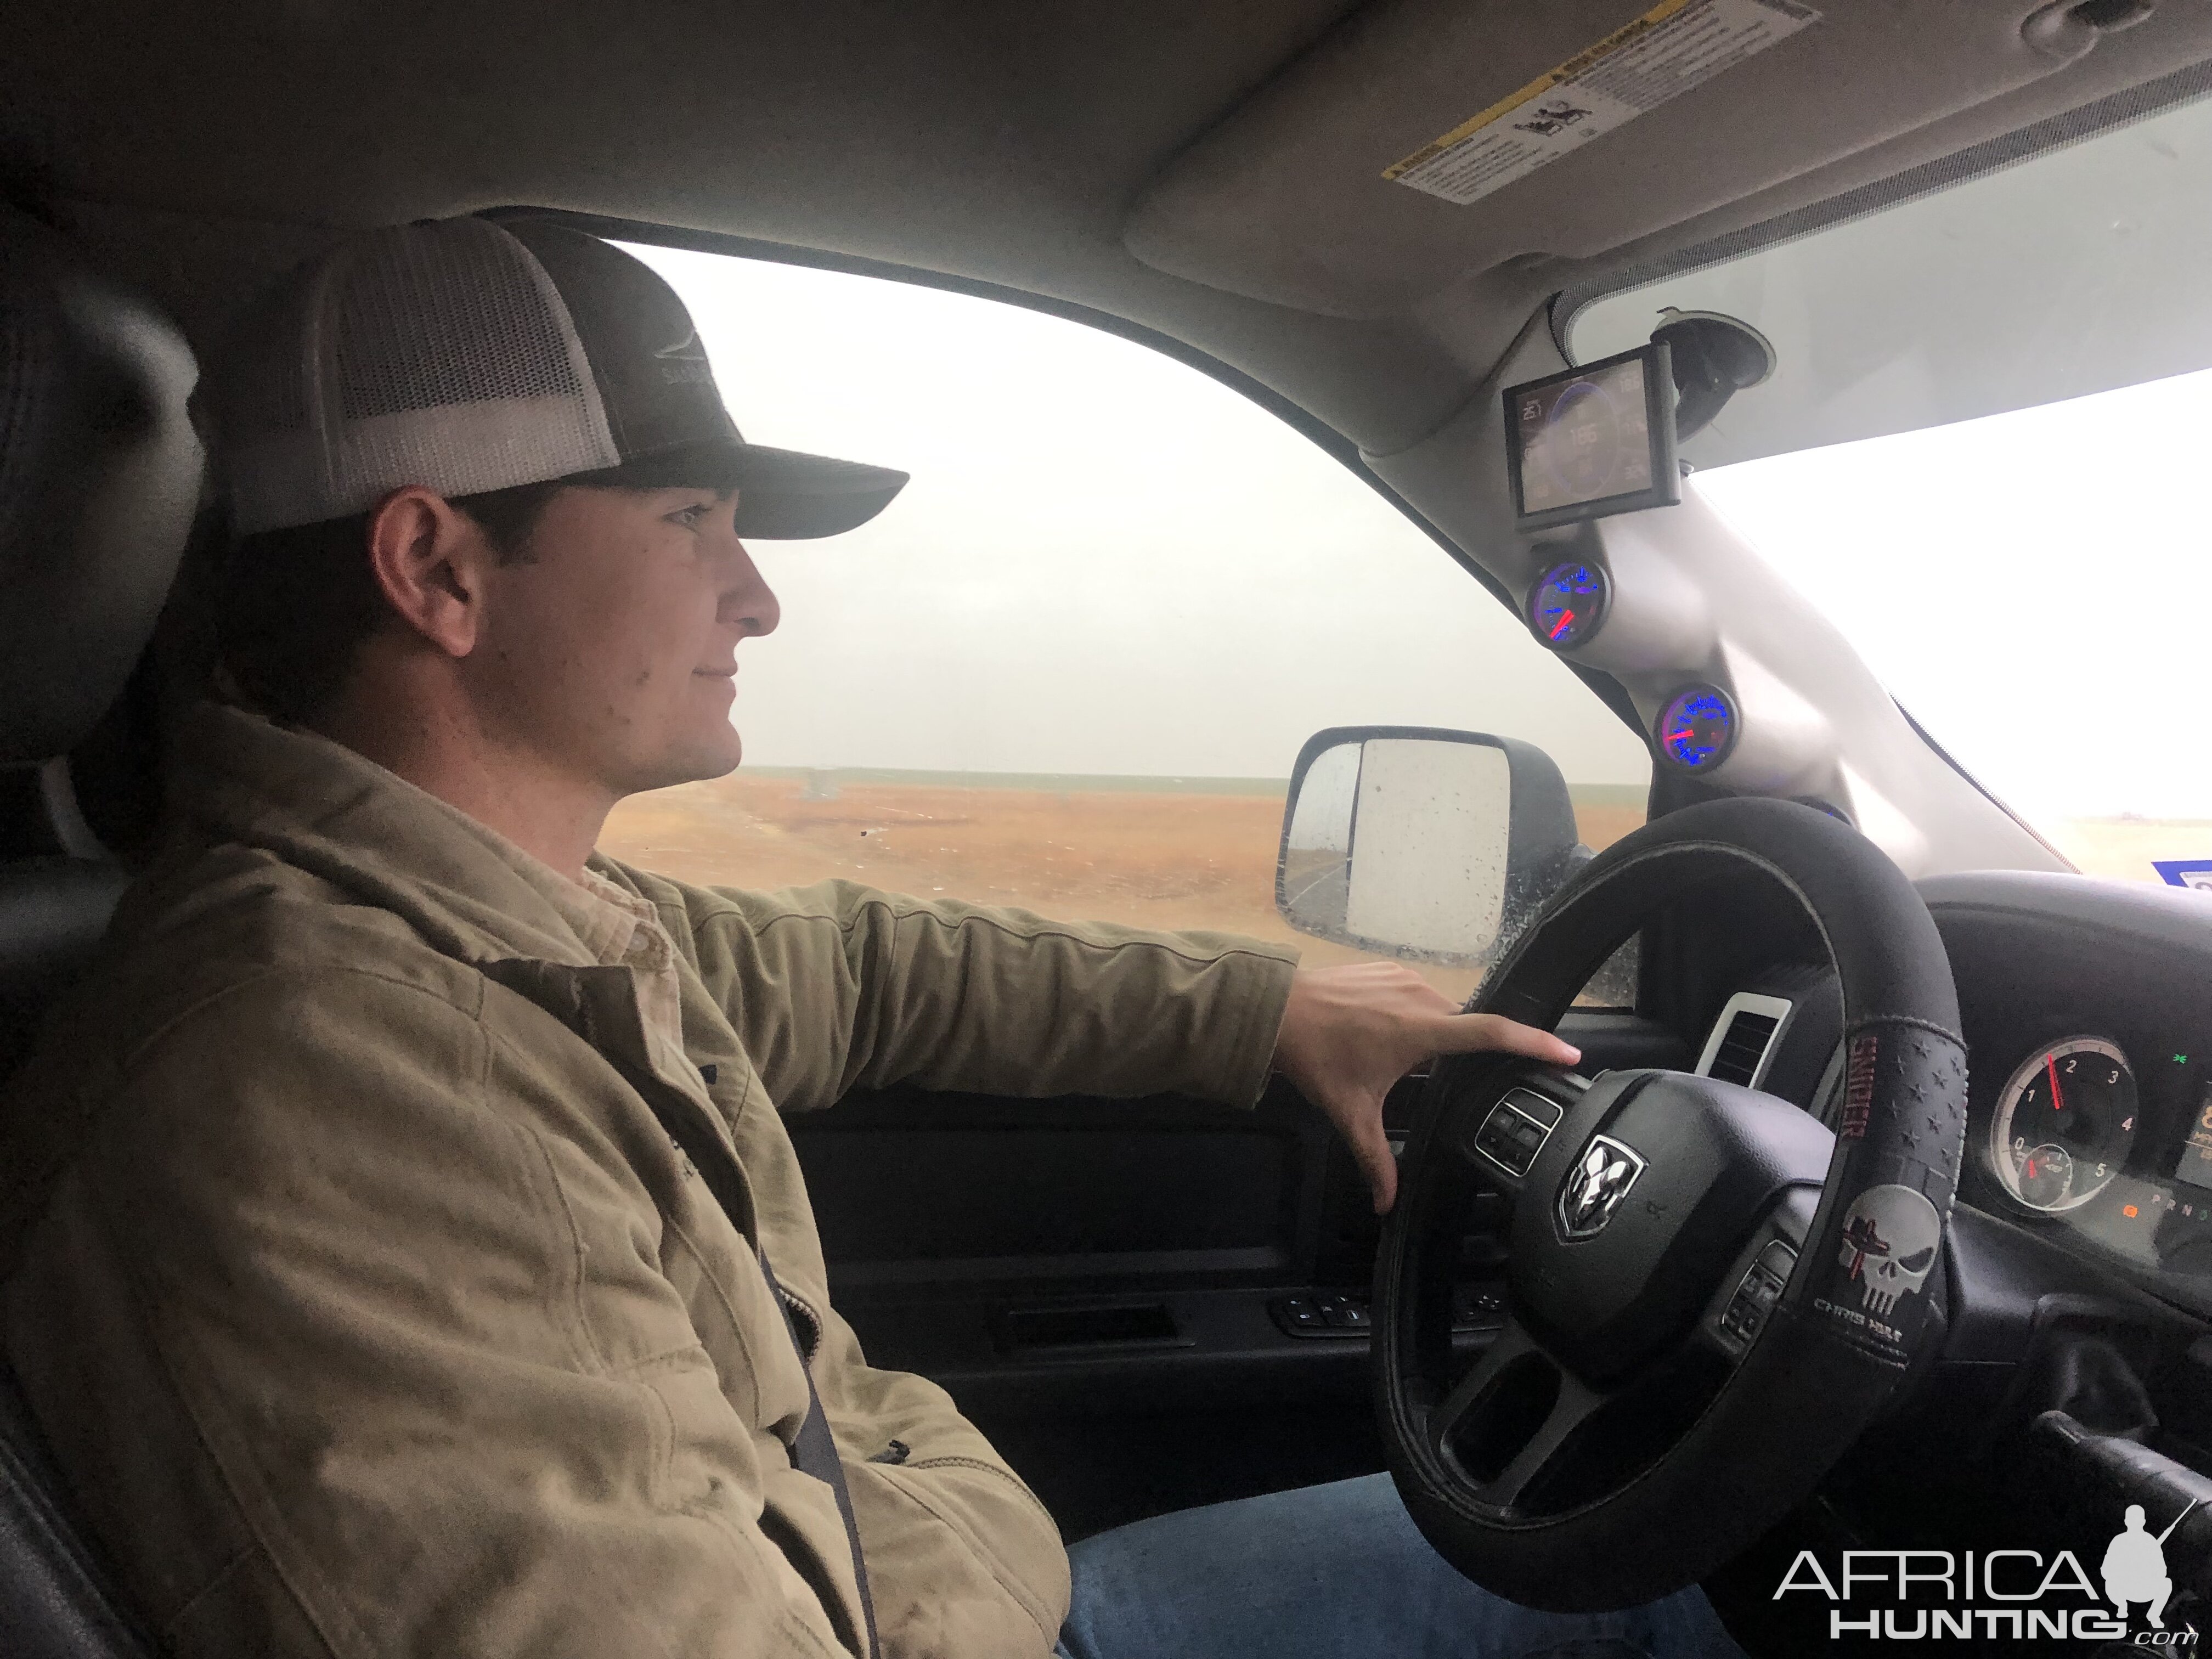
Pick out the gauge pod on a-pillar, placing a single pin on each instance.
(1569, 603)
(1697, 729)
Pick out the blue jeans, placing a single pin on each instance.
(1332, 1573)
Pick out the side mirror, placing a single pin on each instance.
(1427, 844)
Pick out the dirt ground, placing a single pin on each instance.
(1169, 859)
(1150, 858)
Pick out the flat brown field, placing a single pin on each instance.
(1167, 859)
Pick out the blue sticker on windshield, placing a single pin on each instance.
(2184, 872)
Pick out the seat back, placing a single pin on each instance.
(55, 1600)
(52, 913)
(98, 480)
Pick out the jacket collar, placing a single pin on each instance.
(320, 807)
(470, 892)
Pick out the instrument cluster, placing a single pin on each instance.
(2086, 1005)
(2120, 1155)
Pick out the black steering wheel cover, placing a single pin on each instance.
(1822, 1367)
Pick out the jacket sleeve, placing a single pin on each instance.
(837, 987)
(373, 1382)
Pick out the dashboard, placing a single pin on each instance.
(2086, 1008)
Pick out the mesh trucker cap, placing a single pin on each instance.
(464, 356)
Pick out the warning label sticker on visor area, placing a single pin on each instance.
(1676, 45)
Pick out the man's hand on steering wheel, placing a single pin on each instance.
(1349, 1033)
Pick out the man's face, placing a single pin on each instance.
(609, 649)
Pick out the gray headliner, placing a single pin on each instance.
(1233, 145)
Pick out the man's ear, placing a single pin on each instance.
(432, 562)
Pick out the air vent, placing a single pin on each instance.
(1743, 1048)
(1742, 1040)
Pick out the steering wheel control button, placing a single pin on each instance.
(1777, 1260)
(1474, 1309)
(1595, 1186)
(1761, 1289)
(1515, 1130)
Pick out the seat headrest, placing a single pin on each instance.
(99, 476)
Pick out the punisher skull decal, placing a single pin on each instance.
(1888, 1248)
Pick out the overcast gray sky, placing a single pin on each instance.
(1106, 563)
(2032, 586)
(2030, 583)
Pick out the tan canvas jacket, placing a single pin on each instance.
(370, 1312)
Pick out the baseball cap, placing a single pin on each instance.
(465, 356)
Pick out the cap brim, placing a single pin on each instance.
(786, 495)
(783, 494)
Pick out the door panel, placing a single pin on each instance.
(954, 1198)
(1092, 1280)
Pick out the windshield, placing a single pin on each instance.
(1980, 456)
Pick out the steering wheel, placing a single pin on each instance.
(1710, 1294)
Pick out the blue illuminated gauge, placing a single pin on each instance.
(1569, 603)
(1698, 728)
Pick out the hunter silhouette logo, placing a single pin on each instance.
(2135, 1567)
(1888, 1245)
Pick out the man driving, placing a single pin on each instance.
(410, 1179)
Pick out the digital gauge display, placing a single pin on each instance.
(1569, 603)
(1594, 440)
(2065, 1124)
(1698, 728)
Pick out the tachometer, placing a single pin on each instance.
(2064, 1124)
